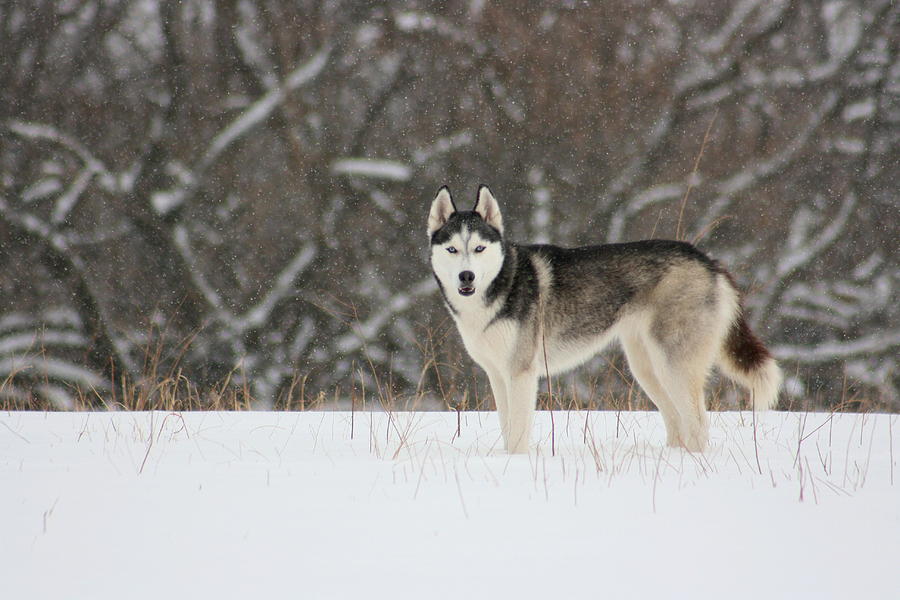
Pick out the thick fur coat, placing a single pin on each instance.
(527, 310)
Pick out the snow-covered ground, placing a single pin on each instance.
(425, 505)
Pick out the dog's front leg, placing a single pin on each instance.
(498, 388)
(520, 408)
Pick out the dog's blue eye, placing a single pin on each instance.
(451, 250)
(479, 248)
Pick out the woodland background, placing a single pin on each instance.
(203, 200)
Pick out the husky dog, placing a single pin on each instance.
(527, 311)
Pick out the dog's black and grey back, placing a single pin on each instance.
(675, 311)
(592, 285)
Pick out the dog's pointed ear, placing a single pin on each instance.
(441, 209)
(486, 206)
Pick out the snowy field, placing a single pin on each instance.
(425, 505)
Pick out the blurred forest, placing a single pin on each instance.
(234, 193)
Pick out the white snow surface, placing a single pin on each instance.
(397, 505)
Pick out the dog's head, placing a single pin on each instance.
(466, 245)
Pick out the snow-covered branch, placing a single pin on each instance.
(652, 140)
(367, 330)
(35, 226)
(182, 242)
(442, 146)
(840, 304)
(875, 344)
(656, 194)
(758, 172)
(165, 201)
(44, 368)
(802, 252)
(49, 133)
(391, 170)
(66, 201)
(799, 254)
(24, 342)
(259, 313)
(846, 29)
(740, 13)
(262, 109)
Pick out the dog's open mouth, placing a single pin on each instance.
(466, 290)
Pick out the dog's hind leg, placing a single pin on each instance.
(642, 368)
(682, 371)
(687, 391)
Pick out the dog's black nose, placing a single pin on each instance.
(466, 277)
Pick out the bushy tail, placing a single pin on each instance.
(745, 359)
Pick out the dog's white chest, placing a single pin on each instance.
(490, 344)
